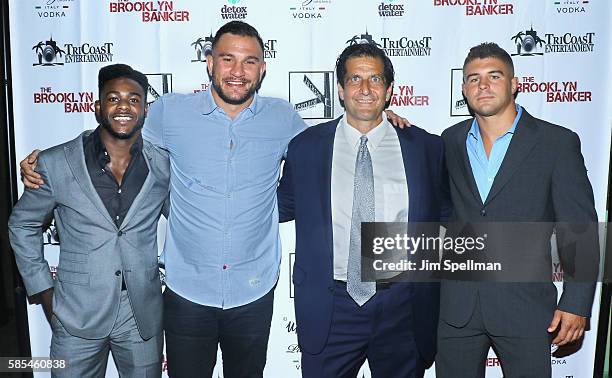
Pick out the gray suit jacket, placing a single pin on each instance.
(94, 253)
(542, 179)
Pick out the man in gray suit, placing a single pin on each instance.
(507, 166)
(106, 190)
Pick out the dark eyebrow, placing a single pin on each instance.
(488, 73)
(232, 56)
(117, 92)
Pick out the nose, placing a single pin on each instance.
(237, 69)
(364, 87)
(483, 83)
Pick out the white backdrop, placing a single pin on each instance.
(560, 47)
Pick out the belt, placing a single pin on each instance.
(380, 285)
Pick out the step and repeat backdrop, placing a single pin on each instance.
(561, 52)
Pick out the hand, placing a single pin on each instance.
(45, 298)
(29, 177)
(397, 120)
(569, 327)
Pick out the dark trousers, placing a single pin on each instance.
(193, 332)
(462, 351)
(381, 331)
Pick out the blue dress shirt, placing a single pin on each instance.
(483, 169)
(222, 244)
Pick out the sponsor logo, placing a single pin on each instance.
(290, 326)
(492, 362)
(408, 97)
(202, 47)
(479, 7)
(159, 85)
(571, 6)
(391, 8)
(233, 12)
(48, 53)
(293, 348)
(403, 46)
(270, 49)
(555, 91)
(309, 9)
(52, 8)
(53, 270)
(529, 43)
(72, 102)
(150, 11)
(311, 93)
(458, 105)
(556, 361)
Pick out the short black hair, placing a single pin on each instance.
(116, 71)
(360, 50)
(238, 28)
(489, 50)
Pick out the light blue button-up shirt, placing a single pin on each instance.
(483, 169)
(222, 244)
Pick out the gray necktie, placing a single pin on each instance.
(363, 211)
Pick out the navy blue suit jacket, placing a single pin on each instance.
(304, 195)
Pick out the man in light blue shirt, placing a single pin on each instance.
(222, 251)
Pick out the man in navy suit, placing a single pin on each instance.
(358, 168)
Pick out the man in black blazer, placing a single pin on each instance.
(323, 188)
(507, 166)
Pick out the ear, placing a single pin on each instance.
(146, 109)
(389, 92)
(97, 107)
(514, 84)
(209, 64)
(340, 92)
(262, 70)
(463, 89)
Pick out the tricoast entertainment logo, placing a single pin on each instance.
(458, 106)
(402, 47)
(151, 11)
(48, 53)
(159, 85)
(530, 43)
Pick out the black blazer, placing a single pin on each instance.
(542, 179)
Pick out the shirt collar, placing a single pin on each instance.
(375, 136)
(209, 105)
(475, 130)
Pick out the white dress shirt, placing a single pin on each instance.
(390, 187)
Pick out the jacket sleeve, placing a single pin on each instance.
(576, 228)
(285, 193)
(33, 210)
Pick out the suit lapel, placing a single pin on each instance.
(464, 160)
(143, 195)
(523, 141)
(326, 146)
(75, 156)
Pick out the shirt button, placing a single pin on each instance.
(483, 212)
(119, 191)
(118, 273)
(119, 233)
(224, 266)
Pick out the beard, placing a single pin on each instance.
(105, 123)
(216, 84)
